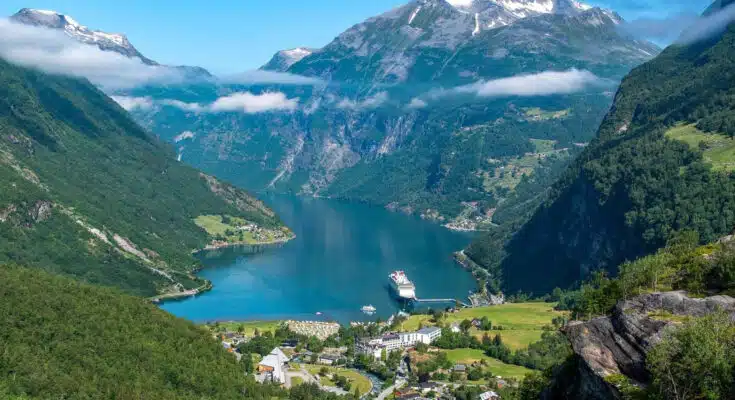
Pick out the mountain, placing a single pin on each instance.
(86, 192)
(114, 42)
(284, 59)
(65, 338)
(393, 114)
(662, 163)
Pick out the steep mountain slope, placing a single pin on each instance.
(394, 120)
(65, 339)
(87, 193)
(662, 162)
(114, 42)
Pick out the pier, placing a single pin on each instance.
(417, 300)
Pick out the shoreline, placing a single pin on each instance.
(208, 285)
(222, 246)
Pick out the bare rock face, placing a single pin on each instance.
(618, 344)
(40, 211)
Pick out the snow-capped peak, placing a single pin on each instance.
(54, 20)
(298, 53)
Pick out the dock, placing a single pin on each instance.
(417, 300)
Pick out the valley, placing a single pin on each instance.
(455, 199)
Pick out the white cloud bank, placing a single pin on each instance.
(251, 103)
(244, 102)
(53, 52)
(709, 26)
(545, 83)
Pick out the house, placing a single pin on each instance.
(455, 328)
(461, 368)
(426, 387)
(290, 343)
(477, 323)
(328, 359)
(490, 395)
(429, 335)
(273, 366)
(500, 382)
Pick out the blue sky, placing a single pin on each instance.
(228, 36)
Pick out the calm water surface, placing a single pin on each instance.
(339, 262)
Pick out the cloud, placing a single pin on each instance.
(253, 103)
(53, 52)
(542, 84)
(192, 107)
(708, 26)
(416, 104)
(244, 102)
(134, 103)
(270, 77)
(184, 135)
(371, 102)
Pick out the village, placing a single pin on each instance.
(421, 356)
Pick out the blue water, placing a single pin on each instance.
(339, 262)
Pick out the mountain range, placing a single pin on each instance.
(413, 109)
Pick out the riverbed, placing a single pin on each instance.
(338, 262)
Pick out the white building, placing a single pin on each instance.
(273, 366)
(375, 347)
(489, 396)
(429, 335)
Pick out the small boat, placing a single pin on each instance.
(368, 309)
(318, 313)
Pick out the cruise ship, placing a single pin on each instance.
(404, 288)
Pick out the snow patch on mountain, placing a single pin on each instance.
(414, 14)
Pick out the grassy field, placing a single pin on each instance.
(718, 150)
(537, 114)
(295, 381)
(497, 367)
(216, 227)
(522, 322)
(542, 145)
(358, 381)
(248, 326)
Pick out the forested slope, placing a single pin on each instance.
(635, 185)
(86, 192)
(65, 339)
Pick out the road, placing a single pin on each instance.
(385, 393)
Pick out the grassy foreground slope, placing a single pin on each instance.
(86, 192)
(65, 339)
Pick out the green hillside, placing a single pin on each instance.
(65, 339)
(86, 192)
(640, 181)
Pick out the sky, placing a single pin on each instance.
(230, 36)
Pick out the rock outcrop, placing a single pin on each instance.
(618, 344)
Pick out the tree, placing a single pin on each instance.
(695, 361)
(247, 363)
(422, 347)
(323, 371)
(241, 328)
(465, 325)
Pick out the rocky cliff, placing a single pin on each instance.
(617, 345)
